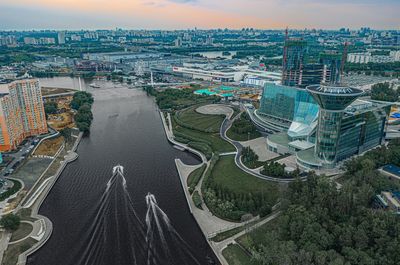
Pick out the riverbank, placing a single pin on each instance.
(30, 205)
(209, 223)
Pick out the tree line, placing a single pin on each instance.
(82, 102)
(324, 225)
(385, 92)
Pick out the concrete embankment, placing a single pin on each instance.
(46, 227)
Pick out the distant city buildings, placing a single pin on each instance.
(61, 37)
(21, 112)
(369, 57)
(39, 41)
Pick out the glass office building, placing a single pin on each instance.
(289, 108)
(332, 101)
(327, 123)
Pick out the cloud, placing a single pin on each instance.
(172, 14)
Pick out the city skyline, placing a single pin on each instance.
(206, 14)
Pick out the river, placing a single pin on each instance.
(126, 131)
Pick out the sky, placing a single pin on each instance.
(203, 14)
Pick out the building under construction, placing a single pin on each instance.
(293, 61)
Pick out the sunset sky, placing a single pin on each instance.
(183, 14)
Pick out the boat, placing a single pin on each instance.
(94, 85)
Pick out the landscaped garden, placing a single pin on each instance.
(200, 131)
(231, 193)
(242, 129)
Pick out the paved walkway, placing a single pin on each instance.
(28, 235)
(259, 146)
(209, 223)
(4, 239)
(42, 227)
(216, 109)
(220, 246)
(226, 124)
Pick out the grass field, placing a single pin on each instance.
(197, 200)
(194, 177)
(24, 230)
(234, 255)
(198, 121)
(11, 254)
(228, 175)
(49, 147)
(216, 142)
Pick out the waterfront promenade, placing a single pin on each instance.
(41, 225)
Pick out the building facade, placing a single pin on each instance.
(322, 125)
(286, 108)
(293, 61)
(21, 113)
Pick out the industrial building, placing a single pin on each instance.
(21, 112)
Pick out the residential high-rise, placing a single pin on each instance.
(61, 37)
(293, 61)
(21, 112)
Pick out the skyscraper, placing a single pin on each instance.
(21, 112)
(293, 61)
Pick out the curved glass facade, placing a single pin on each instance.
(288, 103)
(328, 135)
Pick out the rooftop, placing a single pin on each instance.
(280, 138)
(334, 90)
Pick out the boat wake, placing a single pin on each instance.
(117, 226)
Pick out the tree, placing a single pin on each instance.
(50, 108)
(66, 133)
(83, 126)
(385, 92)
(10, 222)
(80, 98)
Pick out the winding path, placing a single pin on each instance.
(226, 124)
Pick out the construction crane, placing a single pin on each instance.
(285, 53)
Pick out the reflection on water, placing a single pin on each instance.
(126, 130)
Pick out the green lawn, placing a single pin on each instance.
(216, 142)
(228, 175)
(202, 122)
(194, 177)
(234, 255)
(197, 199)
(256, 236)
(23, 230)
(11, 254)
